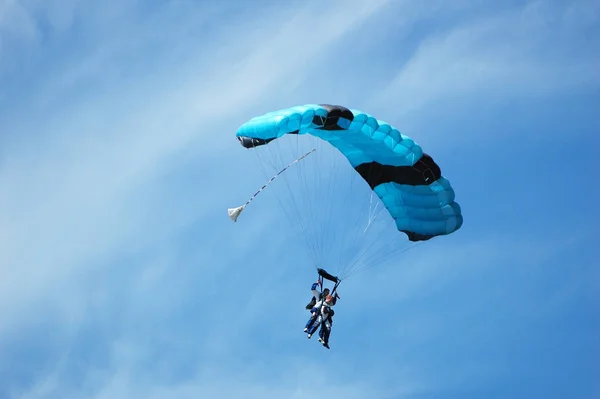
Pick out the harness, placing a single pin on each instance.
(323, 275)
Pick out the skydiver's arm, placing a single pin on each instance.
(314, 290)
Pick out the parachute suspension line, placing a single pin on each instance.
(323, 199)
(353, 233)
(358, 259)
(303, 194)
(298, 207)
(381, 256)
(380, 261)
(388, 248)
(353, 245)
(320, 213)
(372, 212)
(314, 198)
(234, 213)
(293, 214)
(315, 220)
(335, 234)
(328, 237)
(350, 262)
(355, 236)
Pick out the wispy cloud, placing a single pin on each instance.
(515, 53)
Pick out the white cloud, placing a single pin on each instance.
(515, 53)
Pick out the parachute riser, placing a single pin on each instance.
(323, 274)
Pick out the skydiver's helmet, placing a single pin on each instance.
(326, 291)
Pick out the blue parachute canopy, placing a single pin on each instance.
(408, 181)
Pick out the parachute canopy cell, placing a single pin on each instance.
(408, 181)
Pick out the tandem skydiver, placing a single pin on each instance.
(320, 308)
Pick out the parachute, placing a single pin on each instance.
(325, 204)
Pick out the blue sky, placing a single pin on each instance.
(122, 277)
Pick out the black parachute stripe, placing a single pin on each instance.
(330, 122)
(424, 172)
(334, 113)
(251, 142)
(412, 236)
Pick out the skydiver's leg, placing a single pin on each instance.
(324, 331)
(309, 323)
(315, 325)
(324, 334)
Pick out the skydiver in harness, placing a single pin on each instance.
(317, 299)
(315, 305)
(327, 321)
(321, 308)
(317, 296)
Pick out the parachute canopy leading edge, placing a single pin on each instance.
(408, 181)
